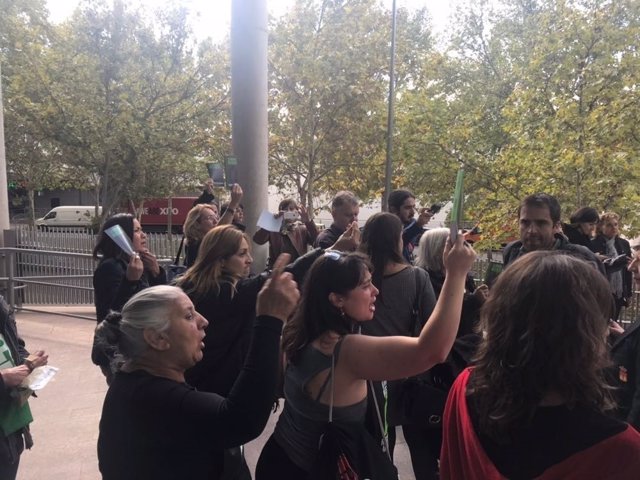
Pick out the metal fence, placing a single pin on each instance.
(56, 267)
(80, 240)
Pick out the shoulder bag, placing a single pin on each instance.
(347, 451)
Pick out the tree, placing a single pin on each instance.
(533, 96)
(33, 160)
(328, 87)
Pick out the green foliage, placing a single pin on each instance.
(532, 96)
(120, 102)
(529, 95)
(329, 63)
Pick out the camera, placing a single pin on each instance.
(291, 215)
(435, 208)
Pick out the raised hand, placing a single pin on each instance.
(459, 257)
(304, 215)
(150, 262)
(135, 268)
(236, 196)
(279, 295)
(424, 217)
(349, 241)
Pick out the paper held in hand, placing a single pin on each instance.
(116, 233)
(39, 378)
(458, 206)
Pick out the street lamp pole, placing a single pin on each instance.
(390, 113)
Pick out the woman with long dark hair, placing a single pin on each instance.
(118, 277)
(338, 295)
(533, 405)
(404, 302)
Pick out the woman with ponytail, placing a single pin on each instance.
(155, 425)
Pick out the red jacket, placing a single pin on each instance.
(463, 458)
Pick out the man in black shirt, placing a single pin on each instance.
(344, 210)
(541, 229)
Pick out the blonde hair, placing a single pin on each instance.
(207, 274)
(192, 230)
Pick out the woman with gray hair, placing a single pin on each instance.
(429, 257)
(156, 426)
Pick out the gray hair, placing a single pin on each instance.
(344, 197)
(123, 333)
(431, 249)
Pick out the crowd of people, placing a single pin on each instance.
(348, 326)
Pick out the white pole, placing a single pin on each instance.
(4, 193)
(249, 110)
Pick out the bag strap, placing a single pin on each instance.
(385, 438)
(415, 312)
(179, 251)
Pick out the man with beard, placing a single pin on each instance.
(541, 229)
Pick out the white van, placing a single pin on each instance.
(78, 216)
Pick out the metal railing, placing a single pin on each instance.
(56, 268)
(46, 277)
(82, 241)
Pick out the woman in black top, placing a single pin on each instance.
(156, 426)
(118, 277)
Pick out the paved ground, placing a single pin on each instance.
(67, 411)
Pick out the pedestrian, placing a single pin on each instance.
(405, 300)
(297, 233)
(156, 426)
(582, 226)
(338, 295)
(119, 276)
(402, 203)
(202, 218)
(615, 253)
(15, 415)
(533, 405)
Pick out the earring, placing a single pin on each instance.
(341, 312)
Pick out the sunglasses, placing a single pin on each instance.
(333, 254)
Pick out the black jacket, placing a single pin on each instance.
(625, 354)
(231, 316)
(111, 291)
(514, 250)
(599, 245)
(575, 236)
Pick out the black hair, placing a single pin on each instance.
(107, 247)
(542, 200)
(333, 272)
(381, 237)
(397, 198)
(585, 215)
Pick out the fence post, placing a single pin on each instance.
(11, 293)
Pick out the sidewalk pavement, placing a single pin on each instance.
(67, 412)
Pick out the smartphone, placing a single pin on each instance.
(290, 215)
(435, 208)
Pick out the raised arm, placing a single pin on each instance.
(236, 198)
(261, 236)
(388, 358)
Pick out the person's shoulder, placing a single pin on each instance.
(580, 249)
(627, 443)
(111, 264)
(511, 246)
(420, 273)
(625, 243)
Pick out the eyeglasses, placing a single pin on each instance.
(210, 218)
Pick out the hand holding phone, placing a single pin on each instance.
(291, 215)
